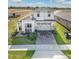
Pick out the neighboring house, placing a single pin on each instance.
(64, 18)
(42, 19)
(11, 15)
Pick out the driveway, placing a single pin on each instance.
(48, 48)
(45, 38)
(48, 55)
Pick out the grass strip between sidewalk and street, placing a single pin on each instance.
(20, 54)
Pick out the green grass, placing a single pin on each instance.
(20, 40)
(67, 53)
(20, 54)
(11, 26)
(59, 36)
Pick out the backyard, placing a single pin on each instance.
(20, 54)
(59, 34)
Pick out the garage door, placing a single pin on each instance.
(44, 27)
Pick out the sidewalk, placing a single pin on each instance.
(39, 47)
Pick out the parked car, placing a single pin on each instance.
(67, 35)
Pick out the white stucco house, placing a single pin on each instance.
(41, 19)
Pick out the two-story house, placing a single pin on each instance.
(41, 19)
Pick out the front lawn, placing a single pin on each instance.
(59, 34)
(67, 53)
(20, 40)
(20, 54)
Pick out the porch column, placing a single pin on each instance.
(17, 27)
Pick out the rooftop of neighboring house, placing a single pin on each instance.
(65, 14)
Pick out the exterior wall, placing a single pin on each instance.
(43, 15)
(25, 22)
(37, 25)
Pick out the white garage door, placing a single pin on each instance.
(44, 26)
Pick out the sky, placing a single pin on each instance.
(40, 3)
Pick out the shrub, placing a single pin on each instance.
(54, 31)
(14, 34)
(32, 36)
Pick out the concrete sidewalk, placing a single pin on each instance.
(39, 47)
(43, 51)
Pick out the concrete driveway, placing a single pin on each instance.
(48, 51)
(49, 55)
(45, 38)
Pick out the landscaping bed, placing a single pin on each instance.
(67, 53)
(59, 34)
(21, 40)
(20, 54)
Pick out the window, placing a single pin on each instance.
(49, 23)
(38, 15)
(49, 15)
(29, 25)
(28, 30)
(14, 15)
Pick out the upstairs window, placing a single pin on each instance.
(49, 15)
(38, 15)
(29, 25)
